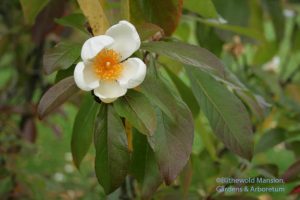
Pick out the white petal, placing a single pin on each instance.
(133, 74)
(84, 77)
(127, 39)
(94, 45)
(108, 91)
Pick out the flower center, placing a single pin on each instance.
(107, 65)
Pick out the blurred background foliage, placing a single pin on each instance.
(258, 40)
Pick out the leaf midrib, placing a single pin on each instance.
(219, 111)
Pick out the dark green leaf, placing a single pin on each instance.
(205, 8)
(31, 9)
(64, 73)
(56, 96)
(112, 154)
(265, 52)
(241, 14)
(275, 9)
(256, 108)
(151, 11)
(227, 115)
(269, 140)
(83, 129)
(294, 146)
(267, 170)
(158, 93)
(136, 108)
(61, 56)
(207, 38)
(148, 30)
(185, 93)
(244, 31)
(296, 38)
(144, 167)
(188, 54)
(75, 20)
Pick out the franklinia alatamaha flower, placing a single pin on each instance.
(106, 67)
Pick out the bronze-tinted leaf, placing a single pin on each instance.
(172, 141)
(165, 14)
(61, 56)
(188, 54)
(292, 173)
(56, 95)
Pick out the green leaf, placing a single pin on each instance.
(250, 100)
(158, 93)
(151, 11)
(235, 12)
(244, 31)
(185, 93)
(187, 54)
(275, 10)
(205, 8)
(148, 30)
(173, 138)
(144, 167)
(269, 140)
(207, 137)
(136, 108)
(83, 129)
(296, 38)
(75, 20)
(64, 73)
(208, 38)
(56, 96)
(112, 154)
(31, 9)
(61, 56)
(265, 52)
(226, 113)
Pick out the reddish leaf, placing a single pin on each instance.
(56, 96)
(292, 172)
(165, 14)
(295, 190)
(29, 130)
(172, 140)
(45, 20)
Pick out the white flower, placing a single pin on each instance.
(69, 168)
(59, 177)
(68, 156)
(105, 67)
(288, 13)
(273, 65)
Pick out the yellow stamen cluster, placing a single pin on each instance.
(107, 65)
